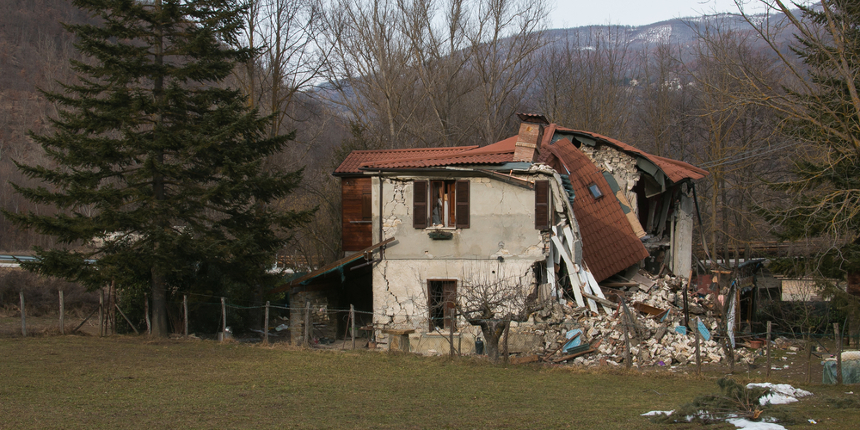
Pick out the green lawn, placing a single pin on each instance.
(130, 382)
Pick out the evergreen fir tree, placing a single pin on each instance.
(825, 187)
(156, 168)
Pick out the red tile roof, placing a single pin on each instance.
(609, 244)
(497, 153)
(675, 170)
(357, 159)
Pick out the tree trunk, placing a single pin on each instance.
(158, 287)
(159, 304)
(492, 331)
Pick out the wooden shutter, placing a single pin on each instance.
(542, 205)
(419, 204)
(462, 198)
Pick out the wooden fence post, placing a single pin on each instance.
(808, 359)
(307, 341)
(223, 319)
(112, 307)
(628, 356)
(185, 312)
(767, 341)
(838, 337)
(352, 329)
(101, 312)
(23, 316)
(451, 314)
(698, 349)
(266, 324)
(146, 313)
(62, 314)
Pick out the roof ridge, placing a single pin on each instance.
(443, 148)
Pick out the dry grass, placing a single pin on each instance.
(130, 382)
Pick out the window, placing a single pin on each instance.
(542, 205)
(442, 299)
(442, 207)
(595, 190)
(441, 204)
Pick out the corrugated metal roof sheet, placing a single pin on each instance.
(609, 244)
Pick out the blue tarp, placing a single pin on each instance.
(850, 372)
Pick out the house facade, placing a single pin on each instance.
(542, 216)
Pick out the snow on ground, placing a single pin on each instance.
(743, 423)
(652, 413)
(780, 394)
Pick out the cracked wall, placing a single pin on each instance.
(501, 240)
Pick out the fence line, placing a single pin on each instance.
(103, 306)
(308, 329)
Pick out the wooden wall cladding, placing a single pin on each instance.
(357, 213)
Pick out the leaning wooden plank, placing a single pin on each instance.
(523, 360)
(126, 319)
(568, 235)
(85, 320)
(577, 294)
(586, 289)
(572, 356)
(603, 302)
(596, 288)
(550, 273)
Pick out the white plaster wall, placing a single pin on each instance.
(400, 286)
(501, 222)
(501, 242)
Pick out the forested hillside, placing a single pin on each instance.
(351, 74)
(34, 53)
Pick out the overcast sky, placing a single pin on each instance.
(575, 13)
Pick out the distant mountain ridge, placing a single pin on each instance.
(678, 31)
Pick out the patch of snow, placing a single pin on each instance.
(776, 399)
(653, 413)
(743, 423)
(780, 394)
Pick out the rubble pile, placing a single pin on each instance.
(655, 338)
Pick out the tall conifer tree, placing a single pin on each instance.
(156, 167)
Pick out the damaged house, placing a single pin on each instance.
(547, 214)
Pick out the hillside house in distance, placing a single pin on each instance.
(548, 213)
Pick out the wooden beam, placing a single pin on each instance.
(331, 266)
(602, 301)
(571, 273)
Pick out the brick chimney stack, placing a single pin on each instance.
(528, 138)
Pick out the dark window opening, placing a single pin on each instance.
(441, 204)
(442, 298)
(442, 207)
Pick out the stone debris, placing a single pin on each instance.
(653, 339)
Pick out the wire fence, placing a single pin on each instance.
(314, 324)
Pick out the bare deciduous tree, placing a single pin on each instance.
(491, 302)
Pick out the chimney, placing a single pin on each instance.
(526, 148)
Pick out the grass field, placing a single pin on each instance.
(130, 382)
